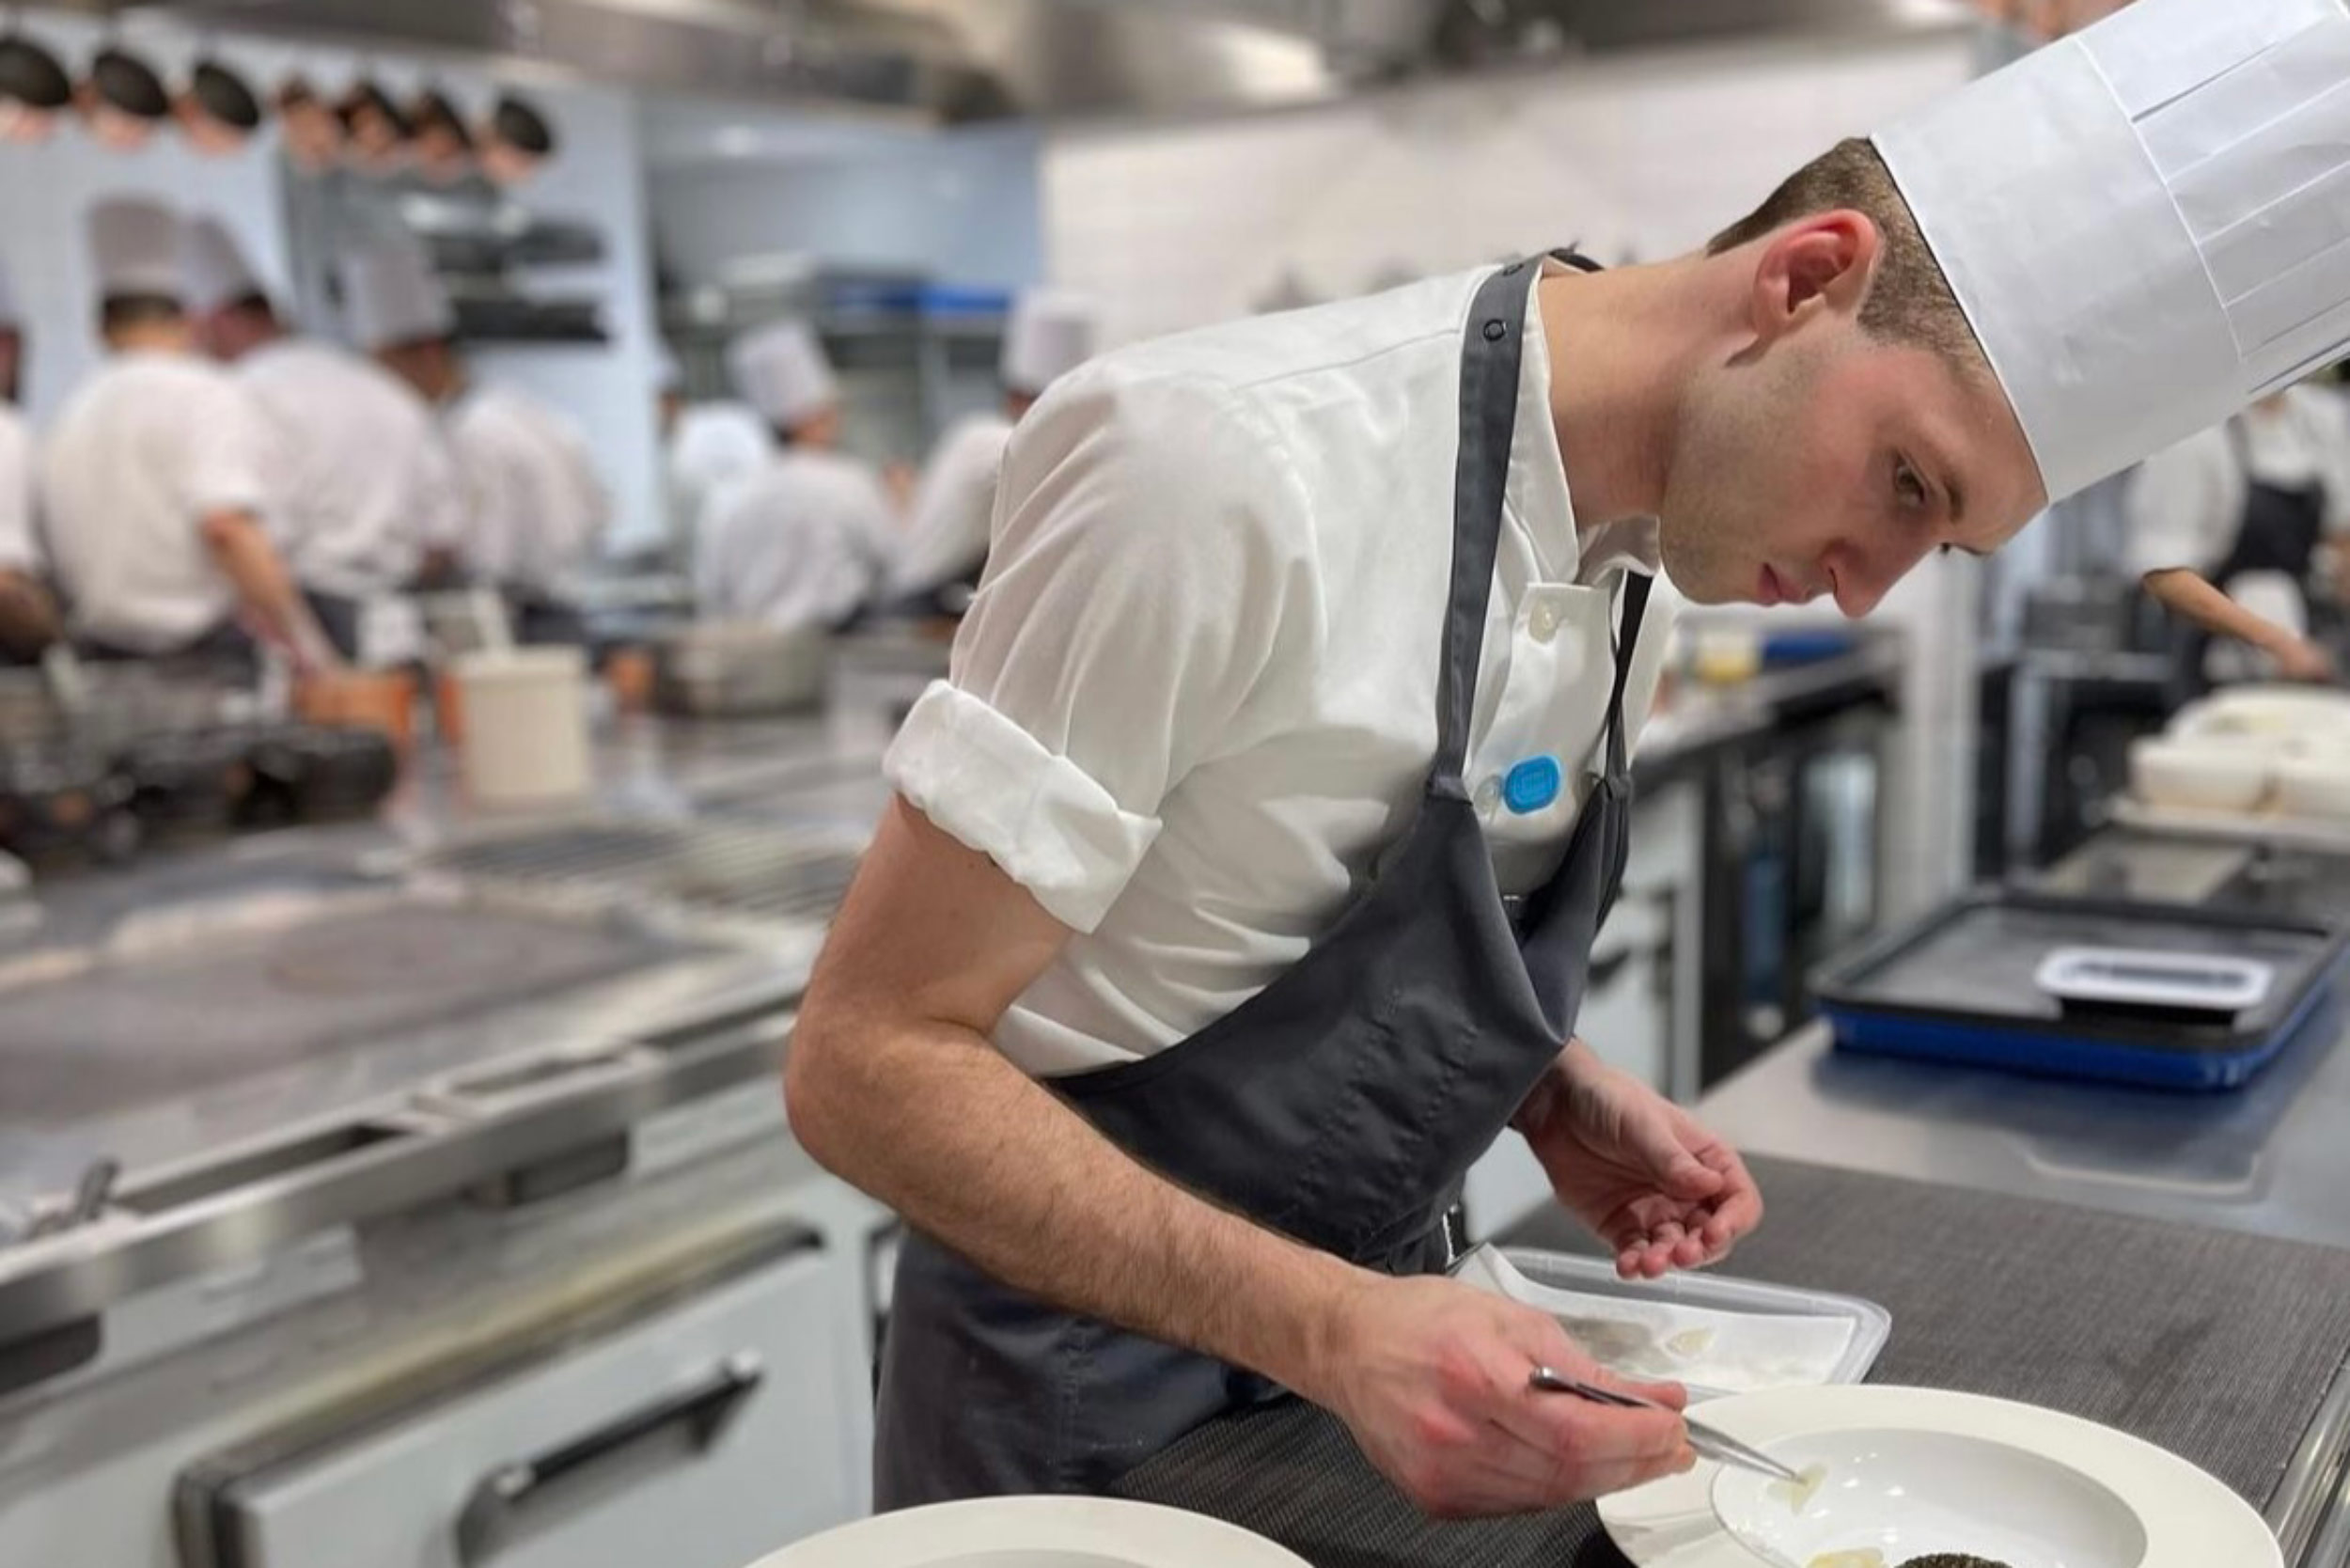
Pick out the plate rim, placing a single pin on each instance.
(1053, 1522)
(2172, 1498)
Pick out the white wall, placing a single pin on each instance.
(597, 177)
(608, 390)
(1175, 226)
(962, 206)
(45, 189)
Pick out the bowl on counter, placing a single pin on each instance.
(2201, 776)
(1907, 1494)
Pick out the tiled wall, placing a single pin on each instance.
(1642, 156)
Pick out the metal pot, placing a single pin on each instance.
(732, 670)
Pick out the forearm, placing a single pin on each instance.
(933, 1121)
(252, 565)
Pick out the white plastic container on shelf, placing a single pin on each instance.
(525, 725)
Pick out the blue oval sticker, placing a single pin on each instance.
(1531, 785)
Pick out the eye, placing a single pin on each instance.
(1908, 489)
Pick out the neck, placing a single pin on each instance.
(1619, 345)
(150, 337)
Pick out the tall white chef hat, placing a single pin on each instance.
(2148, 223)
(216, 271)
(783, 371)
(134, 246)
(1050, 333)
(391, 296)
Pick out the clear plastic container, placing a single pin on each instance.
(1870, 1324)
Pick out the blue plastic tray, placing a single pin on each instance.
(1958, 986)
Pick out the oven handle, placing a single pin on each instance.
(507, 1491)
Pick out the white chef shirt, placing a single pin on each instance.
(1195, 700)
(365, 478)
(535, 509)
(20, 545)
(953, 503)
(147, 448)
(2186, 502)
(714, 446)
(805, 541)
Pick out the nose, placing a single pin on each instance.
(1859, 579)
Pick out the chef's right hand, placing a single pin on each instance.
(1430, 1377)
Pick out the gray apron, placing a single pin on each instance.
(1341, 1105)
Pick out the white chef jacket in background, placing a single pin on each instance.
(716, 446)
(20, 542)
(947, 532)
(535, 509)
(1196, 696)
(147, 448)
(2186, 502)
(806, 541)
(364, 481)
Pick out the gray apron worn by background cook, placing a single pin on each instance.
(1342, 1104)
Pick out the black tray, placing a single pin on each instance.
(1960, 985)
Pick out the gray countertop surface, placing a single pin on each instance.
(2271, 1158)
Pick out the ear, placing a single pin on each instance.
(1823, 262)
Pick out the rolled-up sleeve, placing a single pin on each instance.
(2183, 503)
(1149, 595)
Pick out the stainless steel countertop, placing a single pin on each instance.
(2272, 1158)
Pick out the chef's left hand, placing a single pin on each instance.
(1644, 1174)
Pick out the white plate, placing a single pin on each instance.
(2190, 1519)
(1037, 1533)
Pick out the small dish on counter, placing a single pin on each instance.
(2202, 776)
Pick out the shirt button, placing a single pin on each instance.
(1488, 797)
(1544, 622)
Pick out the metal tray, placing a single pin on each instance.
(1959, 985)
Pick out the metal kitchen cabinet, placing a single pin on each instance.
(695, 1428)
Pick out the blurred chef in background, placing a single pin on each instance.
(807, 541)
(1051, 333)
(154, 482)
(364, 481)
(535, 510)
(706, 449)
(2249, 504)
(29, 615)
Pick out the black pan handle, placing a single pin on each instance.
(507, 1491)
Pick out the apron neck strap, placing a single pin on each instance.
(1493, 348)
(1635, 592)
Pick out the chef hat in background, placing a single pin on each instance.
(2148, 223)
(134, 246)
(216, 271)
(1050, 333)
(391, 296)
(783, 371)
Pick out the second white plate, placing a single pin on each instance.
(2192, 1520)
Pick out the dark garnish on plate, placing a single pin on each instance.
(1952, 1559)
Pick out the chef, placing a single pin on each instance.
(535, 509)
(806, 541)
(706, 447)
(1050, 332)
(1241, 882)
(365, 482)
(2249, 502)
(154, 480)
(29, 615)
